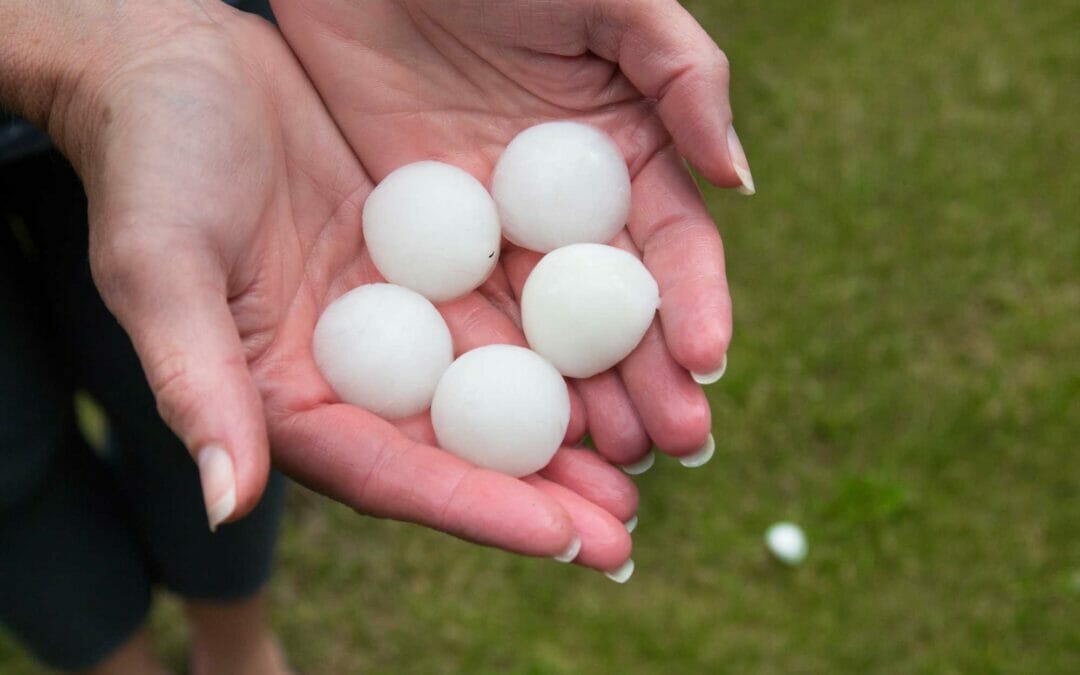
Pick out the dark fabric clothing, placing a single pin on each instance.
(19, 138)
(84, 536)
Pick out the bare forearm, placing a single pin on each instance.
(47, 46)
(56, 55)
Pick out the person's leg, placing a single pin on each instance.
(134, 657)
(231, 638)
(221, 575)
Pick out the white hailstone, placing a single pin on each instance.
(433, 228)
(561, 183)
(586, 306)
(787, 542)
(501, 407)
(383, 347)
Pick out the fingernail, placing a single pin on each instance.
(641, 466)
(702, 456)
(738, 160)
(218, 484)
(631, 524)
(623, 573)
(571, 551)
(713, 376)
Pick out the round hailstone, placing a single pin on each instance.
(787, 542)
(561, 183)
(586, 306)
(433, 228)
(383, 347)
(501, 407)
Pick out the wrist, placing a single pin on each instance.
(58, 56)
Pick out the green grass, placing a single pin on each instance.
(904, 383)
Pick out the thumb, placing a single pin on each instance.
(169, 294)
(668, 56)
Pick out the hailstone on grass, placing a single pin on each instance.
(787, 542)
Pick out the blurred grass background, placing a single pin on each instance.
(904, 383)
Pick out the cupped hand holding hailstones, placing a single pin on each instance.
(219, 266)
(457, 81)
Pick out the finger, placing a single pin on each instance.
(519, 263)
(577, 469)
(667, 55)
(362, 460)
(579, 418)
(605, 541)
(418, 428)
(499, 293)
(475, 322)
(587, 474)
(614, 424)
(682, 249)
(672, 406)
(170, 297)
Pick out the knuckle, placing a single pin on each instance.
(445, 517)
(630, 440)
(720, 61)
(174, 390)
(684, 427)
(371, 495)
(122, 255)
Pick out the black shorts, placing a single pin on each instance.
(86, 533)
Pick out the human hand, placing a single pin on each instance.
(225, 216)
(422, 79)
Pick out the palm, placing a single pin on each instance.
(264, 210)
(456, 81)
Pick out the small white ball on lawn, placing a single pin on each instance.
(383, 347)
(585, 307)
(501, 407)
(561, 183)
(433, 228)
(787, 542)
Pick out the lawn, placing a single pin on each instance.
(904, 383)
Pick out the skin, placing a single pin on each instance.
(225, 192)
(226, 188)
(224, 214)
(456, 81)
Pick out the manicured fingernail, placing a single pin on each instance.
(640, 466)
(218, 484)
(631, 524)
(738, 160)
(702, 456)
(623, 573)
(571, 551)
(710, 377)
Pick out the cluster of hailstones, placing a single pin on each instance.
(434, 232)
